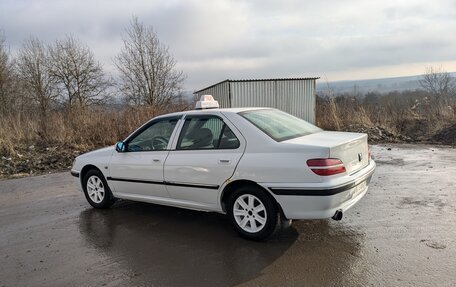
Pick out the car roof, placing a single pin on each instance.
(206, 111)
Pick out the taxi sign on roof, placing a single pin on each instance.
(206, 102)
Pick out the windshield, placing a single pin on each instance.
(279, 125)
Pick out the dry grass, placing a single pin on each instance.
(90, 128)
(410, 114)
(338, 115)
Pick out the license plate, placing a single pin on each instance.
(358, 189)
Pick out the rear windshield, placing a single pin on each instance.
(279, 125)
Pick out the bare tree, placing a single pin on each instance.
(6, 78)
(438, 83)
(79, 76)
(148, 71)
(34, 74)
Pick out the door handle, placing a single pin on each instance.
(156, 160)
(224, 161)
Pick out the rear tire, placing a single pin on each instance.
(96, 189)
(253, 213)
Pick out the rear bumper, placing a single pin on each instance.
(317, 202)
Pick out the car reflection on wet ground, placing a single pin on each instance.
(401, 233)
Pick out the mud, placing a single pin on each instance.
(402, 233)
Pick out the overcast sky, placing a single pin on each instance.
(220, 39)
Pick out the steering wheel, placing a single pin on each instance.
(159, 142)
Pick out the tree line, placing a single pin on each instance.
(65, 75)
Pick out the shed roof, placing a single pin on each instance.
(257, 80)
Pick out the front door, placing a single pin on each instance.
(206, 155)
(139, 170)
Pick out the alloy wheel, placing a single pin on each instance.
(249, 213)
(95, 189)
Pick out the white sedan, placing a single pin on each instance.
(257, 165)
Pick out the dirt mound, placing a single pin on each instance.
(417, 129)
(378, 134)
(32, 160)
(446, 135)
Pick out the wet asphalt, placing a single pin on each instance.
(402, 233)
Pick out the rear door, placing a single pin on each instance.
(206, 154)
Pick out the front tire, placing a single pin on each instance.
(96, 189)
(253, 213)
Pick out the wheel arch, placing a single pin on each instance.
(86, 169)
(232, 186)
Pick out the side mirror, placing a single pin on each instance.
(121, 147)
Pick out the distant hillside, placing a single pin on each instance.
(384, 85)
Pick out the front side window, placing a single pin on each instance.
(206, 132)
(155, 137)
(279, 125)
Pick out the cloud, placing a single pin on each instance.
(215, 40)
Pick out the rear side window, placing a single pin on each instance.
(206, 132)
(279, 125)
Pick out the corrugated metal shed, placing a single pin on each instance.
(292, 95)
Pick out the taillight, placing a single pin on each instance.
(326, 166)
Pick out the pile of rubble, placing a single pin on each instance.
(446, 136)
(378, 134)
(32, 160)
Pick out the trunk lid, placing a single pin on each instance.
(351, 148)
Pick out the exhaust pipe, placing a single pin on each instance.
(338, 215)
